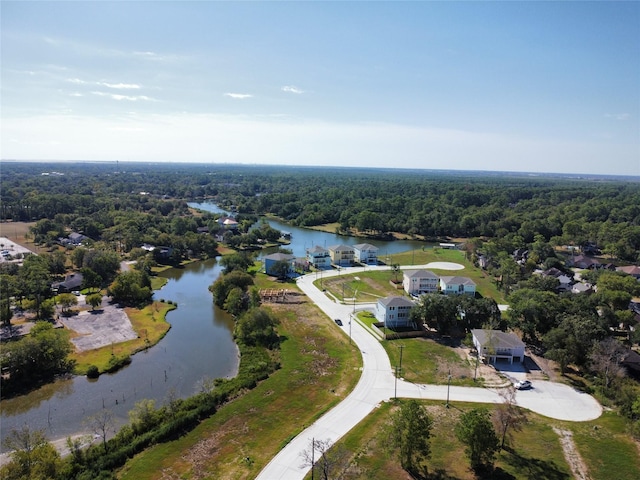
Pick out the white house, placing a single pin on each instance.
(319, 257)
(342, 255)
(394, 311)
(457, 285)
(417, 282)
(366, 253)
(495, 344)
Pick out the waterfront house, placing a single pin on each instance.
(366, 253)
(319, 257)
(273, 264)
(341, 255)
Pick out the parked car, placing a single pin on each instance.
(338, 322)
(522, 385)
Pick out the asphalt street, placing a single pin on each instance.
(378, 384)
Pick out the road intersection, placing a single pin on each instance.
(378, 384)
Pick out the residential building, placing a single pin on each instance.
(366, 253)
(72, 282)
(632, 270)
(319, 257)
(457, 286)
(417, 282)
(271, 263)
(394, 311)
(493, 345)
(342, 255)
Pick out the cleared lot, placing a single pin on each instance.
(100, 328)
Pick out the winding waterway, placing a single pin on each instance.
(198, 345)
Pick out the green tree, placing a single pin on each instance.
(476, 432)
(34, 281)
(66, 301)
(94, 299)
(32, 456)
(235, 301)
(90, 279)
(131, 288)
(409, 433)
(257, 327)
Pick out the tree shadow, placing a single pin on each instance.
(533, 468)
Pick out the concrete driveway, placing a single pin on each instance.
(378, 384)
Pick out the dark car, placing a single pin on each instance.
(338, 321)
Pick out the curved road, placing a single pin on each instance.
(377, 384)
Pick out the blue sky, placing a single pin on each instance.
(514, 86)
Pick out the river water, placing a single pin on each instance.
(198, 345)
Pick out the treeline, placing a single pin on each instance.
(101, 197)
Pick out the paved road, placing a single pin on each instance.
(378, 384)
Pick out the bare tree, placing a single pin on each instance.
(331, 462)
(508, 416)
(101, 424)
(606, 358)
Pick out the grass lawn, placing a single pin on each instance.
(426, 361)
(319, 368)
(535, 452)
(150, 325)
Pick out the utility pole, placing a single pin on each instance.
(395, 386)
(448, 385)
(313, 451)
(401, 347)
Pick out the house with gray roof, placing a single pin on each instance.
(366, 253)
(457, 286)
(493, 345)
(394, 312)
(418, 282)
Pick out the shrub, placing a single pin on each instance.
(93, 372)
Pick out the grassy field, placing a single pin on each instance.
(535, 452)
(18, 232)
(150, 325)
(319, 368)
(370, 285)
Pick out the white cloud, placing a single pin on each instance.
(618, 116)
(124, 86)
(117, 86)
(292, 89)
(130, 98)
(240, 96)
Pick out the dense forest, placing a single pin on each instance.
(92, 198)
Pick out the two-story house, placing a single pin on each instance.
(319, 257)
(342, 255)
(366, 253)
(417, 282)
(394, 311)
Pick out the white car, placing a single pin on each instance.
(522, 385)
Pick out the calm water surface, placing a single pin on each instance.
(198, 345)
